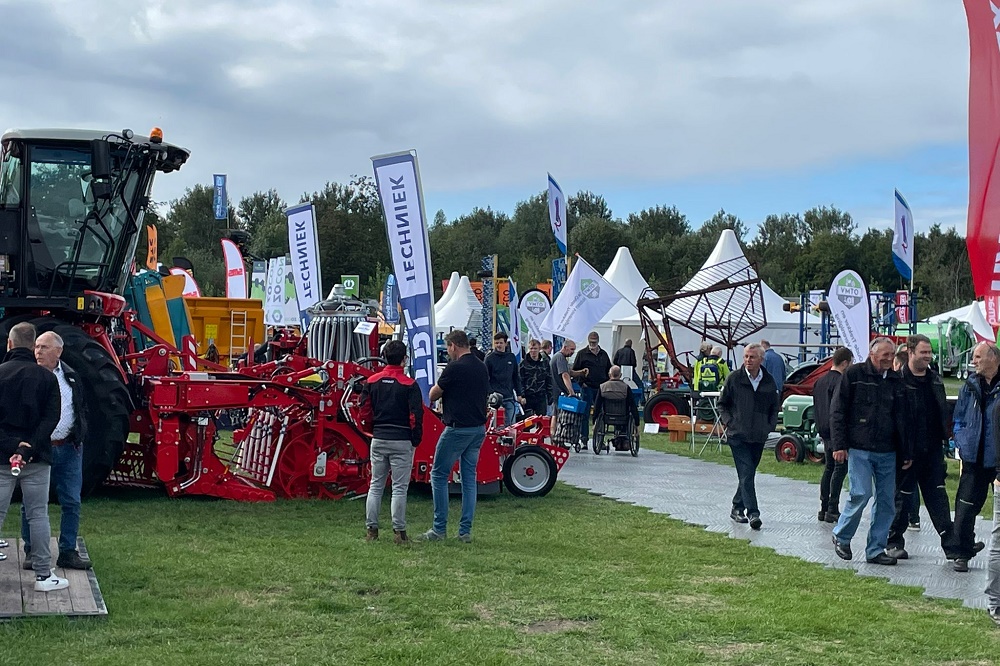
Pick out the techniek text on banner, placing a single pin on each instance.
(303, 243)
(398, 181)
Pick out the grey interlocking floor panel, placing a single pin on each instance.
(700, 493)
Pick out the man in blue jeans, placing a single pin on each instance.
(463, 387)
(868, 417)
(67, 454)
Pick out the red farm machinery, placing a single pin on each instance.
(71, 207)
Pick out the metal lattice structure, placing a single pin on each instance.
(723, 303)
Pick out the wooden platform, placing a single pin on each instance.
(17, 588)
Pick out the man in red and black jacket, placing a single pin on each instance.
(391, 403)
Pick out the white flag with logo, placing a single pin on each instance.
(583, 302)
(532, 307)
(303, 241)
(515, 321)
(851, 312)
(902, 238)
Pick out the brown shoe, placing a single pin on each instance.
(400, 538)
(372, 534)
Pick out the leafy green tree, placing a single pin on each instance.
(597, 239)
(262, 215)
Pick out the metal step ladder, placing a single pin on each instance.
(237, 333)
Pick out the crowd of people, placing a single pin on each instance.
(42, 428)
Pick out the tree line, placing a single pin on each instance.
(794, 252)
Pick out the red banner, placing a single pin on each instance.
(902, 307)
(983, 230)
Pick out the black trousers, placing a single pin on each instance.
(746, 456)
(926, 473)
(832, 481)
(973, 486)
(536, 404)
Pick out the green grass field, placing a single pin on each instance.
(566, 579)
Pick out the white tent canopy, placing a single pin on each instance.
(626, 278)
(973, 313)
(462, 309)
(449, 291)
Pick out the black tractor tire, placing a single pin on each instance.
(790, 448)
(663, 404)
(108, 405)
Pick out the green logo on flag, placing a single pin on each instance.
(590, 288)
(849, 291)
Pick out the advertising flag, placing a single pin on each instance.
(191, 289)
(583, 302)
(398, 179)
(902, 238)
(274, 301)
(390, 300)
(236, 270)
(220, 202)
(486, 331)
(290, 305)
(152, 252)
(304, 245)
(851, 311)
(258, 280)
(557, 213)
(515, 321)
(532, 308)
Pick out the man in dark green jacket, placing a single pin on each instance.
(749, 409)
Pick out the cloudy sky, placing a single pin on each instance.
(755, 106)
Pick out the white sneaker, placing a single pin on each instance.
(53, 582)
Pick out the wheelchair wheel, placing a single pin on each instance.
(600, 431)
(634, 445)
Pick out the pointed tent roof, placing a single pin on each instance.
(449, 291)
(462, 309)
(975, 314)
(626, 278)
(726, 250)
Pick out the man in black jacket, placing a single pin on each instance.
(834, 472)
(749, 409)
(504, 377)
(929, 428)
(67, 453)
(595, 364)
(868, 427)
(536, 379)
(30, 397)
(392, 406)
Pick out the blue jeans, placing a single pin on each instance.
(589, 396)
(865, 468)
(67, 479)
(456, 445)
(509, 411)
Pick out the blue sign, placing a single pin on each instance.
(390, 300)
(221, 202)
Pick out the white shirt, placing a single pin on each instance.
(755, 382)
(65, 424)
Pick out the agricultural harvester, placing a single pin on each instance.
(71, 207)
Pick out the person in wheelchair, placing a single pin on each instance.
(615, 407)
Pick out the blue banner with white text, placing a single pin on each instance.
(398, 181)
(220, 202)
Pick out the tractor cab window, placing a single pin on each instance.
(72, 237)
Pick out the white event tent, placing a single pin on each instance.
(458, 307)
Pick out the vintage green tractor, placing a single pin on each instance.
(799, 441)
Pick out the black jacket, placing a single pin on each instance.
(536, 378)
(919, 426)
(868, 412)
(29, 395)
(598, 364)
(823, 391)
(78, 433)
(616, 389)
(747, 414)
(504, 378)
(392, 406)
(625, 357)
